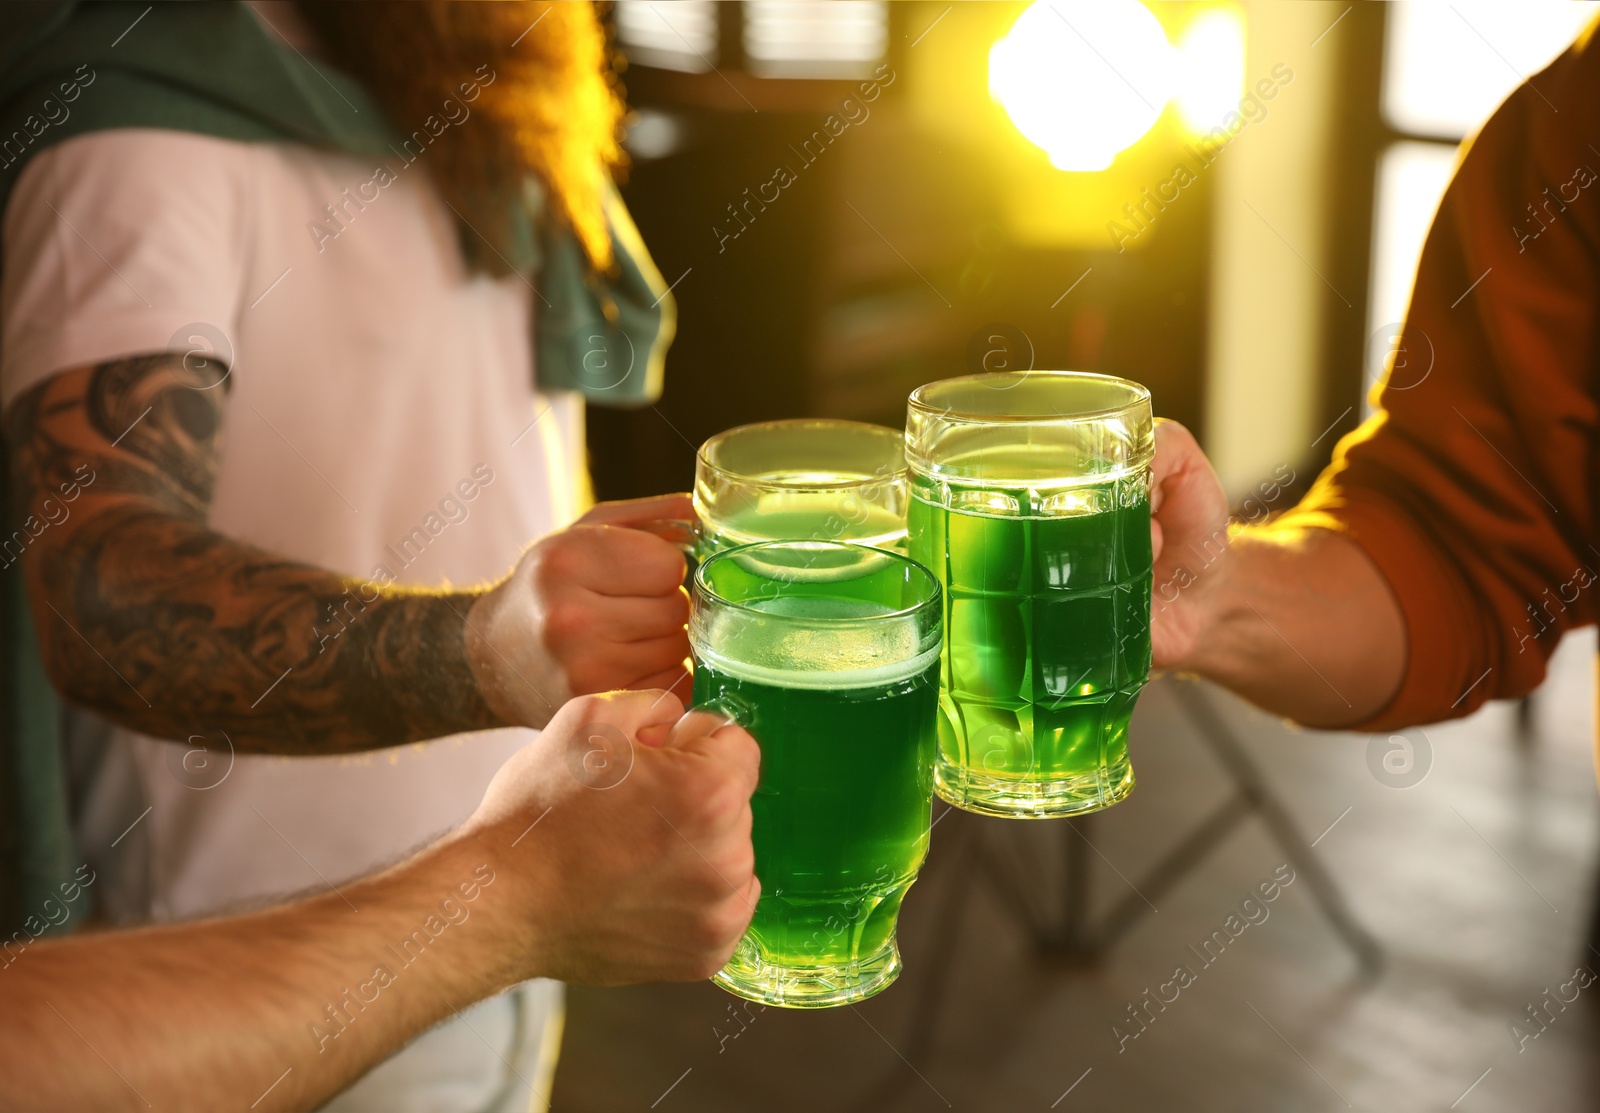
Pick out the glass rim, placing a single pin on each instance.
(1139, 394)
(702, 456)
(706, 591)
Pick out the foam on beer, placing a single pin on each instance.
(824, 653)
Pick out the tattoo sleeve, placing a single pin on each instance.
(154, 620)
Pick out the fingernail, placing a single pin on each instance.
(654, 736)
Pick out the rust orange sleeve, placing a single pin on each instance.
(1473, 487)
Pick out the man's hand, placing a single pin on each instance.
(624, 832)
(615, 847)
(1189, 534)
(1296, 620)
(597, 607)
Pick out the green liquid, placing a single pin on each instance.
(841, 816)
(1047, 628)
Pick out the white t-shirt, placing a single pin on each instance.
(371, 375)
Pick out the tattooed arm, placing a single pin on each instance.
(151, 618)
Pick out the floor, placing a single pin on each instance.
(1477, 883)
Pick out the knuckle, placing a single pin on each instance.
(562, 558)
(733, 801)
(720, 926)
(707, 964)
(668, 557)
(728, 925)
(720, 803)
(730, 920)
(620, 541)
(705, 886)
(675, 610)
(744, 747)
(735, 868)
(654, 557)
(674, 569)
(708, 934)
(741, 759)
(565, 620)
(659, 660)
(666, 698)
(544, 571)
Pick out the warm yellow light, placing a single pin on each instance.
(1210, 69)
(1082, 80)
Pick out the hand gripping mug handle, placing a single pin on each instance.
(682, 532)
(730, 708)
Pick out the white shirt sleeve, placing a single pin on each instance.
(115, 244)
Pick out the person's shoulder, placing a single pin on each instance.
(160, 167)
(1581, 60)
(1569, 84)
(130, 150)
(135, 175)
(1546, 124)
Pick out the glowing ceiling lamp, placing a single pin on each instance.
(1082, 80)
(1210, 69)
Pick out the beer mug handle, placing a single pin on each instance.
(730, 708)
(682, 532)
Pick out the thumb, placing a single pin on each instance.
(1185, 496)
(1175, 447)
(717, 737)
(629, 712)
(693, 726)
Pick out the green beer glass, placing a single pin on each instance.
(828, 654)
(806, 479)
(1030, 502)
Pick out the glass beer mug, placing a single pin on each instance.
(828, 654)
(1030, 502)
(806, 479)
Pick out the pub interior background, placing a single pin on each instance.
(1253, 283)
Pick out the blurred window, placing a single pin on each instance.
(805, 38)
(681, 35)
(1446, 68)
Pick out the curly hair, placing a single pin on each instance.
(552, 109)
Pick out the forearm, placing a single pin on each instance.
(151, 618)
(1301, 623)
(178, 631)
(270, 1011)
